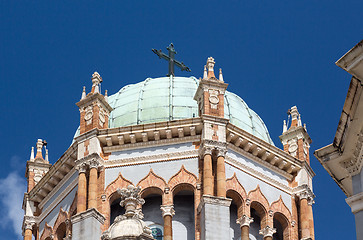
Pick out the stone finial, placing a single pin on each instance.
(299, 124)
(130, 199)
(39, 149)
(220, 75)
(96, 80)
(284, 128)
(205, 74)
(210, 67)
(106, 95)
(244, 221)
(267, 231)
(46, 156)
(83, 93)
(294, 116)
(32, 154)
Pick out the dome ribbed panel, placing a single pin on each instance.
(171, 98)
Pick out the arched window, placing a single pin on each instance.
(282, 227)
(116, 209)
(183, 220)
(61, 231)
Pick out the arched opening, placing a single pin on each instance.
(184, 219)
(235, 212)
(61, 232)
(258, 213)
(281, 224)
(115, 207)
(151, 209)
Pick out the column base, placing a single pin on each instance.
(214, 213)
(87, 225)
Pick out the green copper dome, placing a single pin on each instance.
(166, 99)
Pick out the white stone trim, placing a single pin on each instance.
(167, 210)
(355, 202)
(56, 188)
(258, 175)
(89, 213)
(261, 162)
(164, 157)
(60, 197)
(162, 142)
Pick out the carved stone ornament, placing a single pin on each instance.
(248, 202)
(102, 118)
(93, 163)
(82, 168)
(304, 192)
(221, 152)
(88, 115)
(213, 98)
(244, 221)
(167, 210)
(130, 225)
(267, 231)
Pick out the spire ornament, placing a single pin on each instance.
(171, 59)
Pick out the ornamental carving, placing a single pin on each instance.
(267, 231)
(167, 210)
(244, 221)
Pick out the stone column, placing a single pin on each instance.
(221, 173)
(267, 232)
(168, 213)
(207, 172)
(82, 188)
(92, 187)
(306, 197)
(245, 222)
(28, 229)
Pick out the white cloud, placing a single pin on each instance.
(12, 190)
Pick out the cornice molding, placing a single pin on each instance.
(164, 157)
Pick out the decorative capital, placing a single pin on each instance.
(267, 231)
(244, 221)
(221, 152)
(304, 192)
(207, 150)
(93, 163)
(167, 210)
(82, 168)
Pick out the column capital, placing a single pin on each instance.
(90, 161)
(82, 168)
(28, 223)
(244, 221)
(221, 152)
(167, 210)
(267, 231)
(304, 192)
(93, 163)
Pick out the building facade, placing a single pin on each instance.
(343, 159)
(203, 161)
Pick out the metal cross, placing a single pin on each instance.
(171, 59)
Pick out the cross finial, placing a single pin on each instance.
(171, 59)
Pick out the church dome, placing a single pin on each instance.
(171, 98)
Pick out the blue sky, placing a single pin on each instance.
(274, 54)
